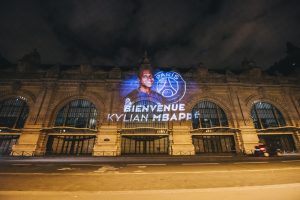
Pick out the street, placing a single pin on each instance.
(236, 179)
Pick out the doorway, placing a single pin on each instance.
(70, 144)
(136, 145)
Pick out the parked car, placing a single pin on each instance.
(261, 150)
(266, 151)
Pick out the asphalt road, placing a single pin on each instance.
(235, 179)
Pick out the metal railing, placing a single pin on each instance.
(106, 153)
(184, 153)
(22, 153)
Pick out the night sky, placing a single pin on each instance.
(219, 34)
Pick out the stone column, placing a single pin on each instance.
(246, 138)
(182, 141)
(297, 140)
(291, 106)
(43, 115)
(249, 138)
(27, 142)
(32, 140)
(108, 141)
(239, 147)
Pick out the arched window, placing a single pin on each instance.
(265, 115)
(79, 114)
(207, 114)
(13, 112)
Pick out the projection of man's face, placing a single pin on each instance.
(146, 80)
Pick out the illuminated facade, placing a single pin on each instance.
(90, 110)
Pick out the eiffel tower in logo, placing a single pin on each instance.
(168, 87)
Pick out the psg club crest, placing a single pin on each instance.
(170, 85)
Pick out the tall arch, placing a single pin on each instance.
(266, 115)
(78, 113)
(214, 99)
(27, 95)
(207, 114)
(76, 119)
(13, 112)
(59, 103)
(273, 101)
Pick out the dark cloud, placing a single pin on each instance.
(217, 33)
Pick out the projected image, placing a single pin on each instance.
(170, 85)
(144, 90)
(152, 97)
(160, 87)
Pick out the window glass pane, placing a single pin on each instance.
(13, 113)
(78, 113)
(265, 115)
(207, 114)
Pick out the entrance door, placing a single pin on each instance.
(70, 144)
(214, 143)
(145, 145)
(6, 143)
(283, 142)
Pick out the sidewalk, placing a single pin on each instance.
(274, 192)
(151, 159)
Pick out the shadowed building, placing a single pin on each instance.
(80, 110)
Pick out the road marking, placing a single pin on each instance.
(21, 164)
(44, 165)
(138, 171)
(94, 165)
(80, 164)
(106, 168)
(250, 163)
(143, 164)
(66, 169)
(290, 161)
(200, 163)
(156, 173)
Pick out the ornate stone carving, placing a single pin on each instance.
(261, 91)
(86, 69)
(115, 73)
(111, 86)
(16, 86)
(53, 71)
(82, 88)
(204, 89)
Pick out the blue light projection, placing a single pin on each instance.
(158, 100)
(129, 85)
(170, 85)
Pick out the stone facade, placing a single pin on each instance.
(47, 90)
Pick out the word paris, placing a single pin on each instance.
(151, 113)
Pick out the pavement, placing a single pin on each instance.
(274, 192)
(227, 177)
(153, 158)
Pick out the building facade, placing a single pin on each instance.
(90, 110)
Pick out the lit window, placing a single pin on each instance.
(78, 113)
(13, 113)
(265, 115)
(207, 114)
